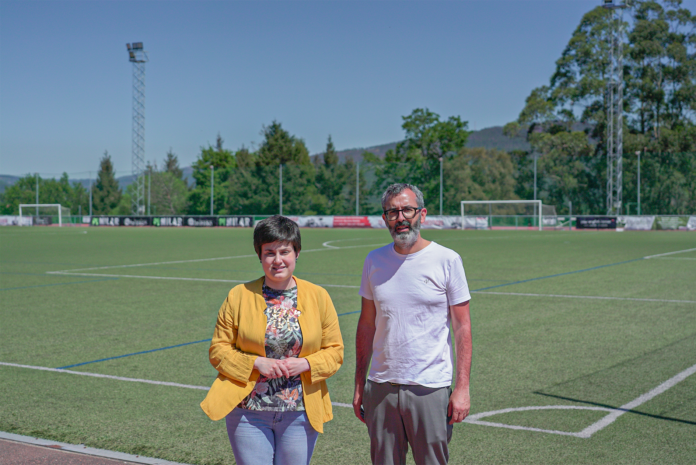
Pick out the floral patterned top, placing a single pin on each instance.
(283, 340)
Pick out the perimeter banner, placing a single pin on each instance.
(672, 223)
(10, 220)
(168, 221)
(595, 222)
(200, 221)
(313, 221)
(118, 221)
(637, 223)
(235, 221)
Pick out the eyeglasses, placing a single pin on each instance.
(408, 212)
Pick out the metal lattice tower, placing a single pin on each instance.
(138, 57)
(615, 87)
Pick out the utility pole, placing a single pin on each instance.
(638, 153)
(535, 176)
(36, 175)
(149, 190)
(440, 186)
(90, 193)
(281, 189)
(357, 188)
(138, 57)
(212, 190)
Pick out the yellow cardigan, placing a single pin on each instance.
(239, 338)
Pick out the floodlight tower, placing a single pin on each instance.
(615, 108)
(138, 57)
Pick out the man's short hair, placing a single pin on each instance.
(277, 228)
(397, 188)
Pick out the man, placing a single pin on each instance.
(411, 291)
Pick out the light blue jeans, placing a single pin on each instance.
(270, 438)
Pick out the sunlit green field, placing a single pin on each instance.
(539, 340)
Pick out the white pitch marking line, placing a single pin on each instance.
(173, 278)
(475, 419)
(668, 253)
(326, 244)
(587, 297)
(203, 259)
(675, 258)
(121, 378)
(609, 419)
(154, 264)
(99, 375)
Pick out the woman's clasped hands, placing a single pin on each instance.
(272, 368)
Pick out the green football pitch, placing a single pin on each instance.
(584, 342)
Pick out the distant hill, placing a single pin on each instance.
(490, 138)
(7, 180)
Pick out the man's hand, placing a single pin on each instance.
(357, 402)
(295, 365)
(459, 405)
(271, 368)
(460, 402)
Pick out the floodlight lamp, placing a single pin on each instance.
(137, 45)
(128, 46)
(610, 5)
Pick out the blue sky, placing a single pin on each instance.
(346, 68)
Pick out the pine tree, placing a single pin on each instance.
(171, 165)
(107, 194)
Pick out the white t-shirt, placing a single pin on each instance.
(412, 294)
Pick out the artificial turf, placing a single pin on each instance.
(528, 350)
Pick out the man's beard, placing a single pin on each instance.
(406, 239)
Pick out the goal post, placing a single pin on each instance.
(483, 211)
(60, 209)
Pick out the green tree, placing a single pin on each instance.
(659, 103)
(22, 191)
(477, 174)
(79, 199)
(331, 179)
(106, 194)
(171, 164)
(416, 159)
(255, 188)
(223, 163)
(279, 147)
(169, 194)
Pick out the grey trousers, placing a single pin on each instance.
(402, 414)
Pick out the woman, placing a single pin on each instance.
(275, 343)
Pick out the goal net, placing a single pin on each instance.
(507, 214)
(44, 214)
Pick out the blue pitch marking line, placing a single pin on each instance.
(358, 311)
(558, 274)
(58, 284)
(134, 353)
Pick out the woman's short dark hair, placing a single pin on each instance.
(277, 228)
